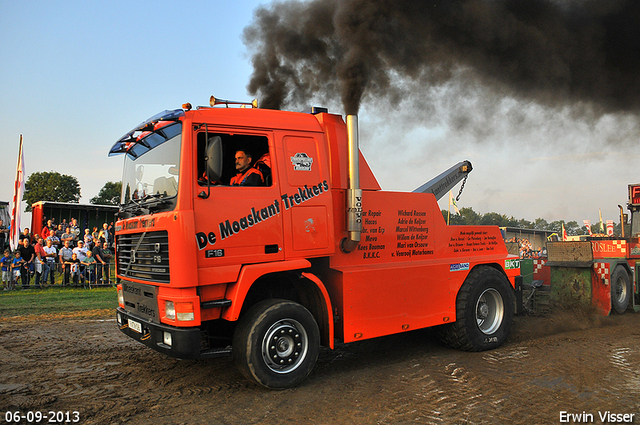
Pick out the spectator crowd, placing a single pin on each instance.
(527, 250)
(81, 258)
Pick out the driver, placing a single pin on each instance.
(246, 175)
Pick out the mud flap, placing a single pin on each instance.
(519, 308)
(601, 287)
(635, 298)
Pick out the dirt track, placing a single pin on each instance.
(553, 364)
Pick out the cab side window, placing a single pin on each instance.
(246, 160)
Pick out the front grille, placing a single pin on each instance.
(144, 256)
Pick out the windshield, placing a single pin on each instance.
(151, 170)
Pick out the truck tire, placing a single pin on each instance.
(620, 290)
(276, 343)
(484, 311)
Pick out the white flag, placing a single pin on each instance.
(18, 192)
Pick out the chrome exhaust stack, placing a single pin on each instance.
(354, 193)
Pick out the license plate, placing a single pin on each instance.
(135, 326)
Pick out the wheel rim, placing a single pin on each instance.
(285, 346)
(620, 290)
(489, 311)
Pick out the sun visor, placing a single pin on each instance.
(137, 135)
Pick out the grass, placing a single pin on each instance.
(56, 301)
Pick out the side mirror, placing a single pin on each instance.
(139, 172)
(213, 158)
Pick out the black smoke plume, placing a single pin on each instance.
(553, 52)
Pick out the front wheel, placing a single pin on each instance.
(276, 343)
(484, 310)
(620, 290)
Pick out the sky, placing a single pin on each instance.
(76, 76)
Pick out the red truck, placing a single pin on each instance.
(317, 254)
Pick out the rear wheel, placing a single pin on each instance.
(620, 290)
(276, 343)
(484, 310)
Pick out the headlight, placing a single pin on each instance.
(169, 310)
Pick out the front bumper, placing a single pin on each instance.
(185, 342)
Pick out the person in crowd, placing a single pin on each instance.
(88, 239)
(95, 233)
(55, 241)
(51, 254)
(16, 265)
(89, 264)
(97, 254)
(112, 235)
(74, 267)
(246, 175)
(81, 253)
(4, 235)
(6, 270)
(67, 236)
(65, 256)
(46, 229)
(75, 231)
(28, 254)
(103, 255)
(25, 235)
(111, 229)
(80, 250)
(40, 261)
(59, 231)
(104, 234)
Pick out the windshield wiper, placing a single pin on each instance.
(145, 205)
(158, 200)
(133, 207)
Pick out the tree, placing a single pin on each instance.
(555, 226)
(572, 228)
(541, 224)
(109, 194)
(493, 218)
(524, 224)
(466, 216)
(50, 186)
(469, 216)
